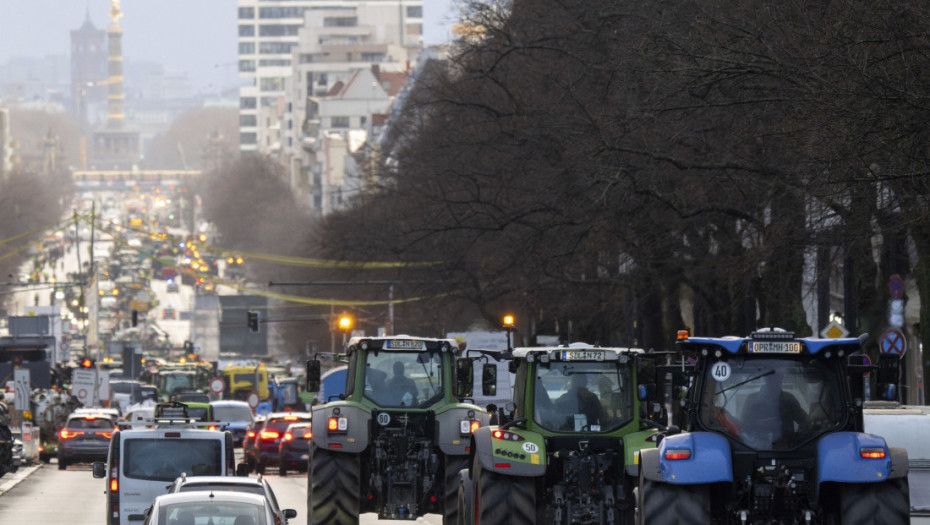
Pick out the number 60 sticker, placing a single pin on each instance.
(720, 371)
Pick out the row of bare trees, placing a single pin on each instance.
(615, 171)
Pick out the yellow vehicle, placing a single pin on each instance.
(241, 380)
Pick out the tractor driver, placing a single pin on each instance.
(773, 410)
(399, 385)
(578, 400)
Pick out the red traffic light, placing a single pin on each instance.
(87, 363)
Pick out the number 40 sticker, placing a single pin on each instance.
(720, 371)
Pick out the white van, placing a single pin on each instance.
(142, 462)
(908, 427)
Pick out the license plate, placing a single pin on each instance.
(582, 355)
(776, 347)
(405, 344)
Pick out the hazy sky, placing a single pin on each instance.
(194, 36)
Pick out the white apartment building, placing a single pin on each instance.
(267, 33)
(301, 67)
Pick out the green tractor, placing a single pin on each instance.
(569, 452)
(395, 441)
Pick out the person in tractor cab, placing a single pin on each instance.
(400, 386)
(580, 401)
(774, 410)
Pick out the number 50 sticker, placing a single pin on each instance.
(720, 371)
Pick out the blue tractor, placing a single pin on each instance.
(774, 436)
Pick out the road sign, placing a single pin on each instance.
(892, 342)
(896, 286)
(21, 389)
(252, 399)
(834, 330)
(217, 385)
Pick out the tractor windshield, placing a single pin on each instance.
(403, 379)
(772, 404)
(583, 397)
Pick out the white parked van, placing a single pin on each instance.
(142, 462)
(908, 427)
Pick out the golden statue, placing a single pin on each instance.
(115, 13)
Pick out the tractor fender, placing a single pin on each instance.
(839, 459)
(496, 455)
(451, 440)
(354, 440)
(709, 459)
(649, 464)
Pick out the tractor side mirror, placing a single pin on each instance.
(464, 377)
(313, 375)
(489, 379)
(647, 391)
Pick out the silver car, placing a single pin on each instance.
(242, 484)
(216, 507)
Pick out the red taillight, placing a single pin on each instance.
(332, 423)
(269, 434)
(107, 435)
(172, 434)
(291, 418)
(497, 434)
(502, 465)
(211, 427)
(288, 436)
(872, 453)
(114, 485)
(90, 418)
(308, 435)
(677, 453)
(68, 434)
(475, 425)
(250, 434)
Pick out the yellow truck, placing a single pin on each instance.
(241, 380)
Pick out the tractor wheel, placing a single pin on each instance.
(333, 487)
(462, 514)
(661, 503)
(453, 465)
(503, 499)
(884, 503)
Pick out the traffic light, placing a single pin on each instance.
(253, 321)
(345, 323)
(87, 363)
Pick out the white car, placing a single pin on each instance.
(243, 484)
(218, 508)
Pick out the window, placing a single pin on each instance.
(274, 62)
(246, 13)
(246, 48)
(162, 459)
(340, 21)
(278, 30)
(373, 57)
(272, 84)
(340, 122)
(247, 103)
(248, 138)
(269, 101)
(248, 30)
(281, 12)
(274, 48)
(246, 65)
(582, 396)
(248, 121)
(415, 11)
(402, 379)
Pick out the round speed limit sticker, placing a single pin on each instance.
(720, 371)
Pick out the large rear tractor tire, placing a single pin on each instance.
(666, 504)
(452, 466)
(884, 503)
(502, 499)
(333, 487)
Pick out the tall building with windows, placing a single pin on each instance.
(268, 31)
(292, 50)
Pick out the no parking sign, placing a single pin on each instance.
(892, 342)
